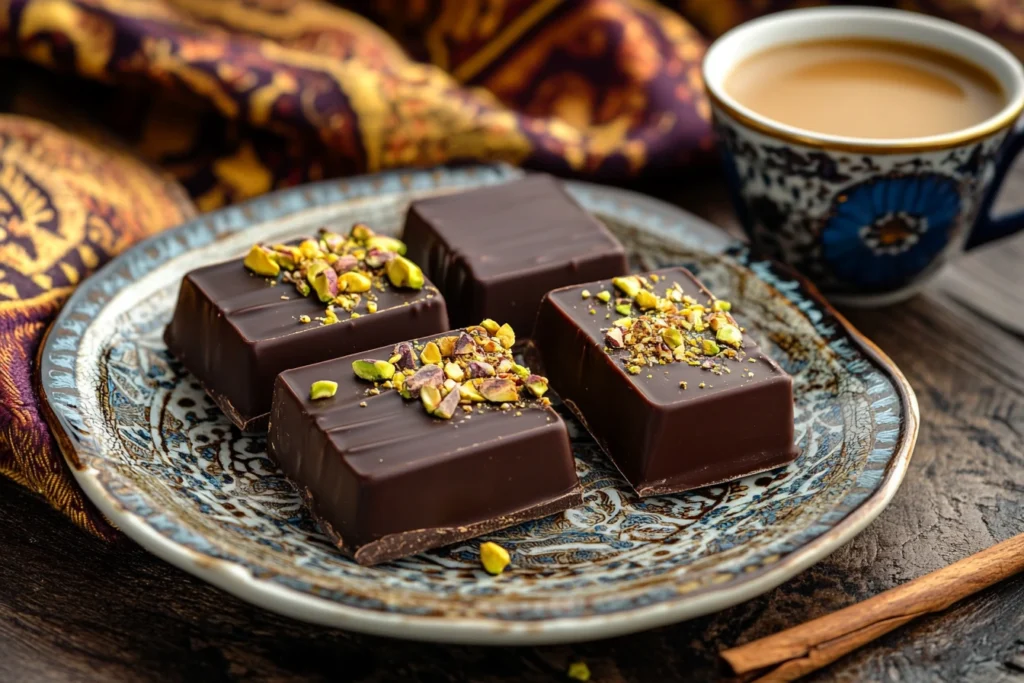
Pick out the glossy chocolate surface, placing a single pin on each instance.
(494, 252)
(235, 333)
(664, 438)
(387, 480)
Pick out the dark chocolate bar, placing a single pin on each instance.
(495, 251)
(403, 458)
(665, 380)
(235, 330)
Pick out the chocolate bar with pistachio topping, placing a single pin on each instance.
(496, 251)
(238, 324)
(666, 380)
(409, 447)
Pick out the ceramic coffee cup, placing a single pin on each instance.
(870, 221)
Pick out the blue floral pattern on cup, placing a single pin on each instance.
(857, 224)
(885, 231)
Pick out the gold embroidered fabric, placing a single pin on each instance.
(66, 206)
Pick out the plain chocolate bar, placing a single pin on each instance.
(409, 447)
(235, 328)
(667, 382)
(497, 250)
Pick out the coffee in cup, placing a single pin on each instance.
(865, 88)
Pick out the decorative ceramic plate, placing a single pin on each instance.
(167, 468)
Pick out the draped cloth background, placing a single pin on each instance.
(234, 98)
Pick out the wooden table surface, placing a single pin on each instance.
(73, 608)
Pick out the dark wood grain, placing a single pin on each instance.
(73, 608)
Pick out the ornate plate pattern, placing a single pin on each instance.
(161, 461)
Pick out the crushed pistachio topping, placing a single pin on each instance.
(322, 389)
(373, 370)
(471, 367)
(579, 671)
(660, 323)
(342, 271)
(494, 558)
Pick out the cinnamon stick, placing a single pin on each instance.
(795, 652)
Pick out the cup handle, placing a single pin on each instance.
(988, 228)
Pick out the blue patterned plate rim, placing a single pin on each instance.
(651, 605)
